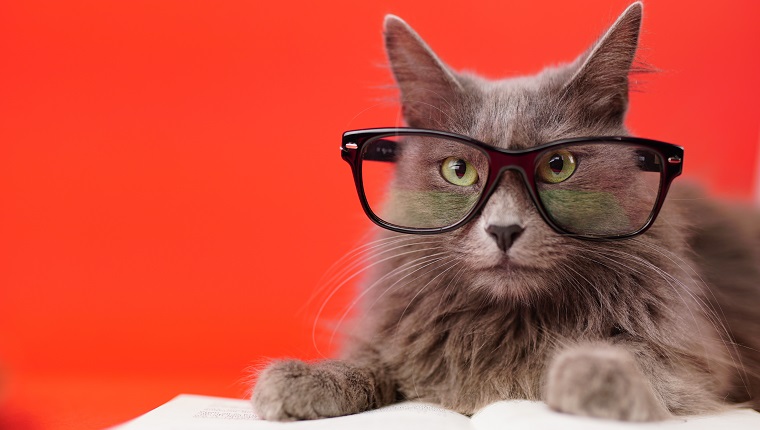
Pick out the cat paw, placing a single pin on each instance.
(294, 390)
(601, 381)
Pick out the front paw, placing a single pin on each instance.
(293, 390)
(601, 381)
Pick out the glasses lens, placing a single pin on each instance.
(599, 189)
(422, 182)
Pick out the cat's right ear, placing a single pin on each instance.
(428, 87)
(600, 82)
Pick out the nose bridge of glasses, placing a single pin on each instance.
(501, 163)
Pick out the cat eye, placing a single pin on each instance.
(556, 166)
(458, 172)
(429, 181)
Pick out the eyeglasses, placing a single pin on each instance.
(428, 181)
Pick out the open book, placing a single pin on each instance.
(192, 412)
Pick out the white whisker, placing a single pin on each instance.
(334, 291)
(422, 261)
(455, 263)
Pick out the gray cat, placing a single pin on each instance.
(641, 329)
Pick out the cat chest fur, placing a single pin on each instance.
(443, 341)
(465, 360)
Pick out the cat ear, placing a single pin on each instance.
(428, 87)
(600, 83)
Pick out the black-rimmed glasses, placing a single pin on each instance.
(429, 181)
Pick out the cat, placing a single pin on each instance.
(642, 329)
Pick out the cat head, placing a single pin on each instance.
(508, 244)
(586, 97)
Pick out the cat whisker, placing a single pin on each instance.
(717, 321)
(711, 315)
(401, 317)
(681, 264)
(380, 104)
(396, 285)
(356, 256)
(672, 281)
(571, 278)
(401, 268)
(453, 282)
(432, 259)
(362, 256)
(643, 263)
(363, 269)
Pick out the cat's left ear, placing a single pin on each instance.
(429, 88)
(600, 83)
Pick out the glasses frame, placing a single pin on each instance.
(501, 160)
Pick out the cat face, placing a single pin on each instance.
(508, 247)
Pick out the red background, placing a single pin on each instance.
(170, 184)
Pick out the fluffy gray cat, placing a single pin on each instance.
(641, 329)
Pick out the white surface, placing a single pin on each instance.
(193, 412)
(523, 414)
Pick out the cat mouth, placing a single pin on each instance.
(510, 266)
(506, 264)
(507, 279)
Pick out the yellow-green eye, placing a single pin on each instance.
(459, 172)
(556, 166)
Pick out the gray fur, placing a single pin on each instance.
(641, 329)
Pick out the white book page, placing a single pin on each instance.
(193, 412)
(525, 414)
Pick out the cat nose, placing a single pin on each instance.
(504, 235)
